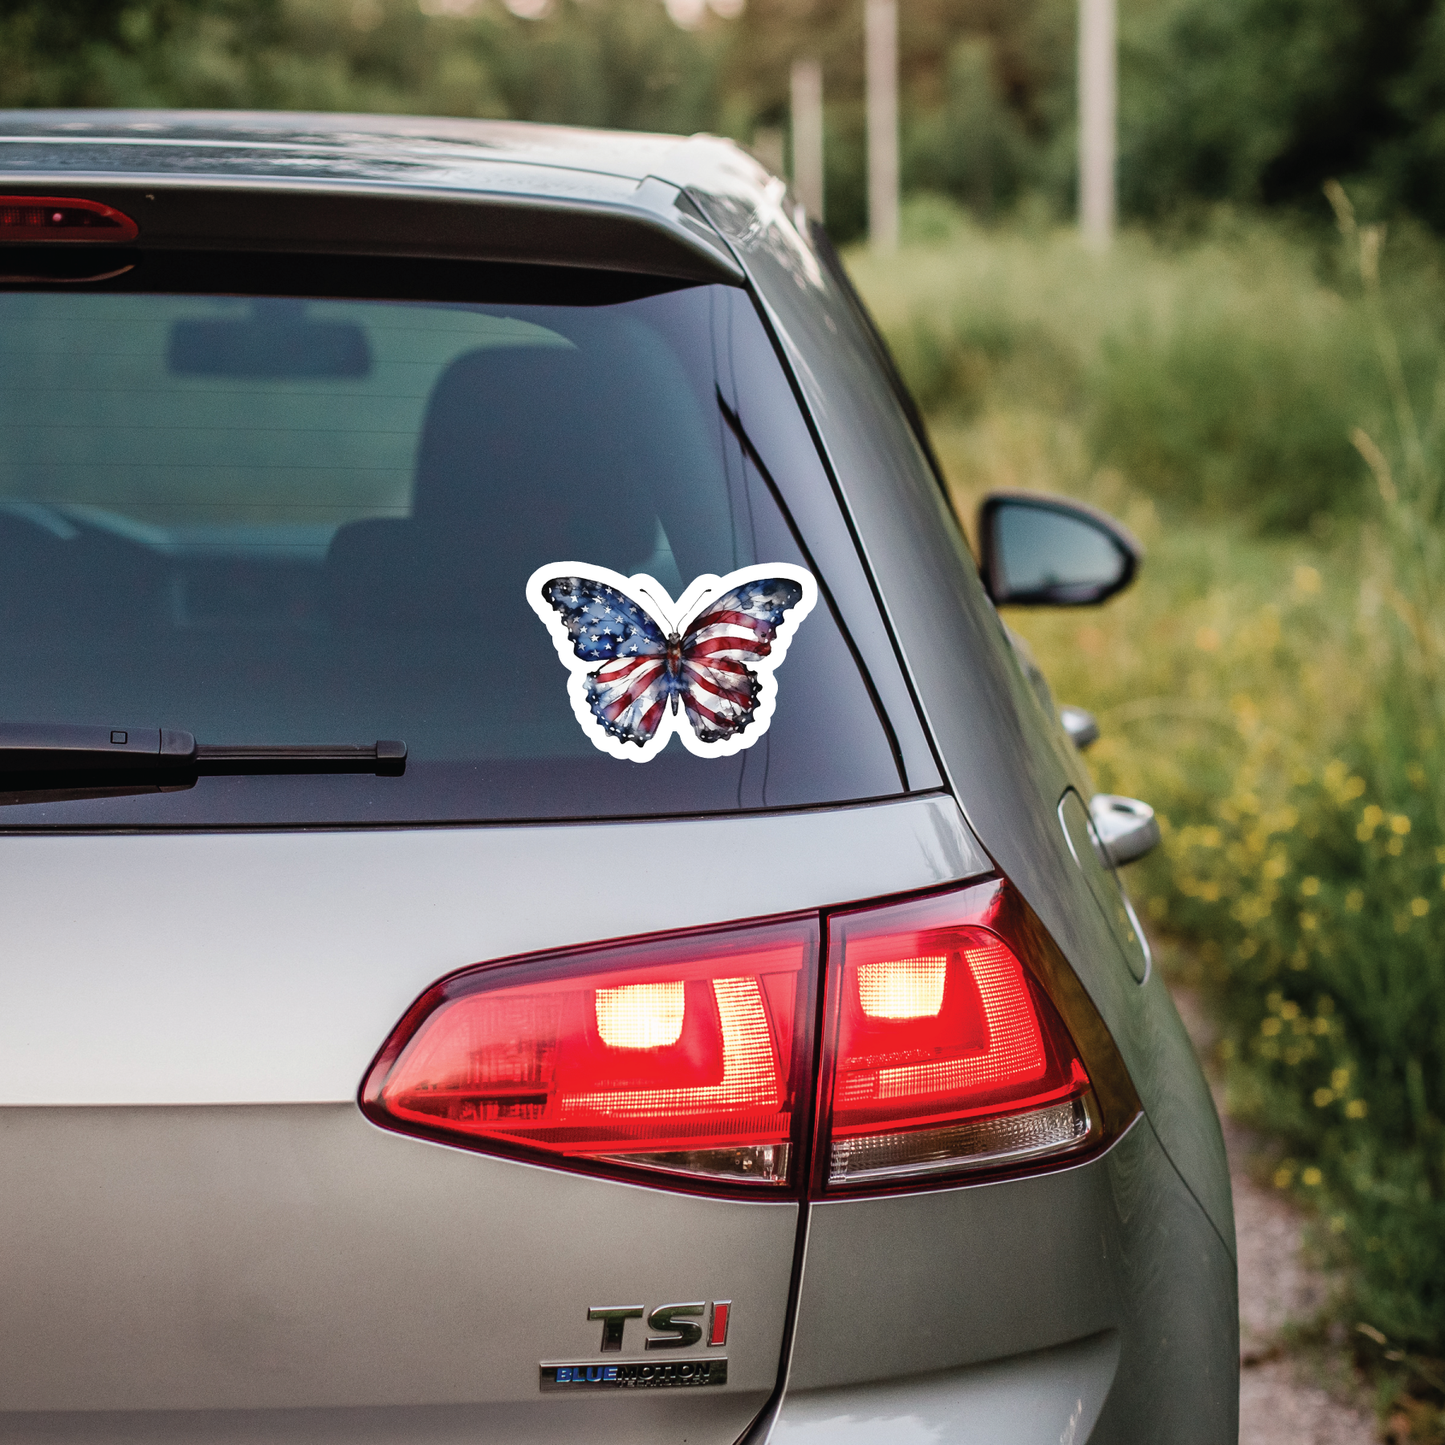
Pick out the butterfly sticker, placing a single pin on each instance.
(644, 667)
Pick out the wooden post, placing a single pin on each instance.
(807, 111)
(881, 63)
(1098, 107)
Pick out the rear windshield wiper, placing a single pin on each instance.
(66, 749)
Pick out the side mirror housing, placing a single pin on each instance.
(1046, 551)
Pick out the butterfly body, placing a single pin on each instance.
(674, 666)
(643, 667)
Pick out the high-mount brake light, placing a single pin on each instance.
(682, 1054)
(47, 219)
(945, 1054)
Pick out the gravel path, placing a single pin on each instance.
(1279, 1404)
(1281, 1398)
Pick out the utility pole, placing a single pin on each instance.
(807, 114)
(1098, 118)
(880, 29)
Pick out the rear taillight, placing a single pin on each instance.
(956, 1044)
(61, 218)
(685, 1054)
(945, 1053)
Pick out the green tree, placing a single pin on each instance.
(1264, 100)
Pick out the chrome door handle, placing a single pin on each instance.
(1126, 827)
(1080, 724)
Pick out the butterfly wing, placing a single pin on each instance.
(718, 688)
(629, 692)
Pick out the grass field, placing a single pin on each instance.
(1274, 684)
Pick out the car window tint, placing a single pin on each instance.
(291, 520)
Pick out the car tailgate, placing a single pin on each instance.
(201, 1224)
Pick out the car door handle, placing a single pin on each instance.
(1126, 827)
(1080, 724)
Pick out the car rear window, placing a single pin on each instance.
(283, 520)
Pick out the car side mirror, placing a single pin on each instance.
(1045, 551)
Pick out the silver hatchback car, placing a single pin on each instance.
(541, 903)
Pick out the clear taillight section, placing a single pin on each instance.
(685, 1054)
(945, 1053)
(955, 1043)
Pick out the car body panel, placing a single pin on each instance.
(1037, 1399)
(179, 1241)
(245, 968)
(1006, 758)
(297, 1258)
(918, 1284)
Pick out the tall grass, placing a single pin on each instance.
(1276, 689)
(1221, 370)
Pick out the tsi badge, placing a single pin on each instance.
(674, 1327)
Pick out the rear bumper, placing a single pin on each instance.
(1094, 1303)
(1051, 1398)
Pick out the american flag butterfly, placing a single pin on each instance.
(643, 667)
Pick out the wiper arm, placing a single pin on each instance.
(64, 749)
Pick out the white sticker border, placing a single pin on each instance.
(672, 616)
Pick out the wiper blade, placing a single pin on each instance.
(65, 749)
(294, 757)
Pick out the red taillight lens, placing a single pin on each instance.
(684, 1054)
(58, 218)
(945, 1054)
(956, 1043)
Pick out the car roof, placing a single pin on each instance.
(366, 151)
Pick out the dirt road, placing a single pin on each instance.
(1287, 1395)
